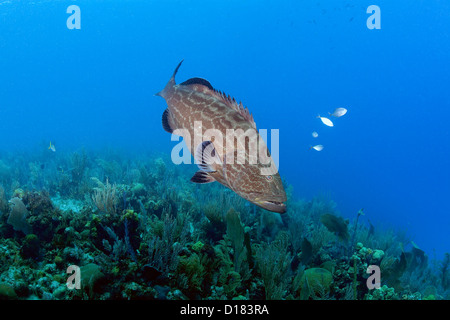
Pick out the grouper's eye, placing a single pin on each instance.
(269, 178)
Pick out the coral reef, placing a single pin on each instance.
(336, 224)
(138, 229)
(315, 282)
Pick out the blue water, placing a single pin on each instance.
(288, 61)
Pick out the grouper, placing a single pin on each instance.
(221, 134)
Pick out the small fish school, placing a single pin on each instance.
(338, 112)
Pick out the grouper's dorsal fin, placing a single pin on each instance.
(204, 86)
(199, 81)
(232, 103)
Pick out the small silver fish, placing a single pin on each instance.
(315, 134)
(326, 121)
(338, 112)
(318, 147)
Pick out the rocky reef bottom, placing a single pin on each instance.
(104, 226)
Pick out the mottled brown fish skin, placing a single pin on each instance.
(196, 101)
(188, 104)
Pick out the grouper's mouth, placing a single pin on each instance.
(274, 203)
(274, 206)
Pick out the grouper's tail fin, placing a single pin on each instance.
(164, 92)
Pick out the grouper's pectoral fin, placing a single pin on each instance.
(165, 121)
(207, 160)
(206, 157)
(202, 177)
